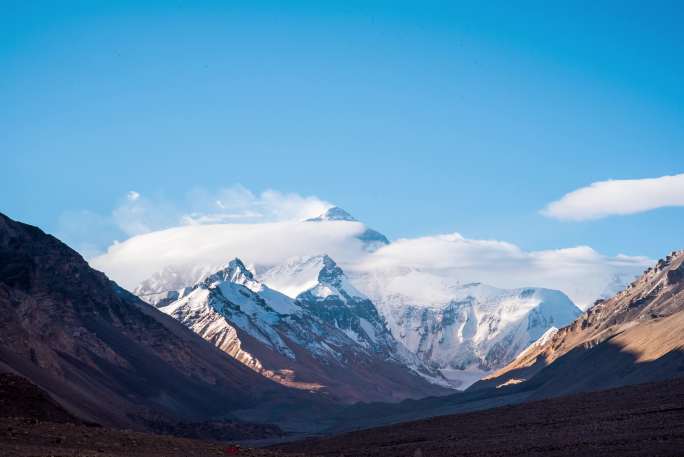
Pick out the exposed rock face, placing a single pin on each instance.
(101, 352)
(339, 304)
(636, 336)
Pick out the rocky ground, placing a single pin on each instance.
(21, 437)
(21, 398)
(643, 420)
(33, 425)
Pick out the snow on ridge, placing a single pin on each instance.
(464, 328)
(334, 213)
(545, 338)
(319, 274)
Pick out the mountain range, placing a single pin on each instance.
(634, 337)
(307, 346)
(330, 339)
(452, 340)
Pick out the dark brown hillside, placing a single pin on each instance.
(99, 351)
(21, 398)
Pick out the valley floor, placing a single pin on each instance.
(21, 437)
(643, 420)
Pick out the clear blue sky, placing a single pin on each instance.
(418, 117)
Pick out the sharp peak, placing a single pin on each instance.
(236, 263)
(325, 259)
(330, 272)
(234, 267)
(334, 213)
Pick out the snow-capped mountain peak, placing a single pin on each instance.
(301, 342)
(334, 214)
(372, 239)
(330, 273)
(319, 275)
(465, 330)
(235, 271)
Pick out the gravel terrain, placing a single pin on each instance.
(643, 420)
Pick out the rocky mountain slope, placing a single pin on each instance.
(102, 353)
(21, 398)
(330, 339)
(635, 336)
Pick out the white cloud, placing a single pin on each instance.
(239, 204)
(427, 268)
(424, 269)
(208, 228)
(618, 197)
(139, 257)
(137, 214)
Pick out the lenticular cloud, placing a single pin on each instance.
(618, 197)
(423, 269)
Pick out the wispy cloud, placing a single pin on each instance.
(237, 203)
(618, 197)
(137, 214)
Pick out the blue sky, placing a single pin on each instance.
(418, 117)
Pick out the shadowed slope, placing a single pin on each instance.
(100, 351)
(643, 420)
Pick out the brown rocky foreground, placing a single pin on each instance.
(642, 420)
(33, 424)
(21, 437)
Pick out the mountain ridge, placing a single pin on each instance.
(327, 335)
